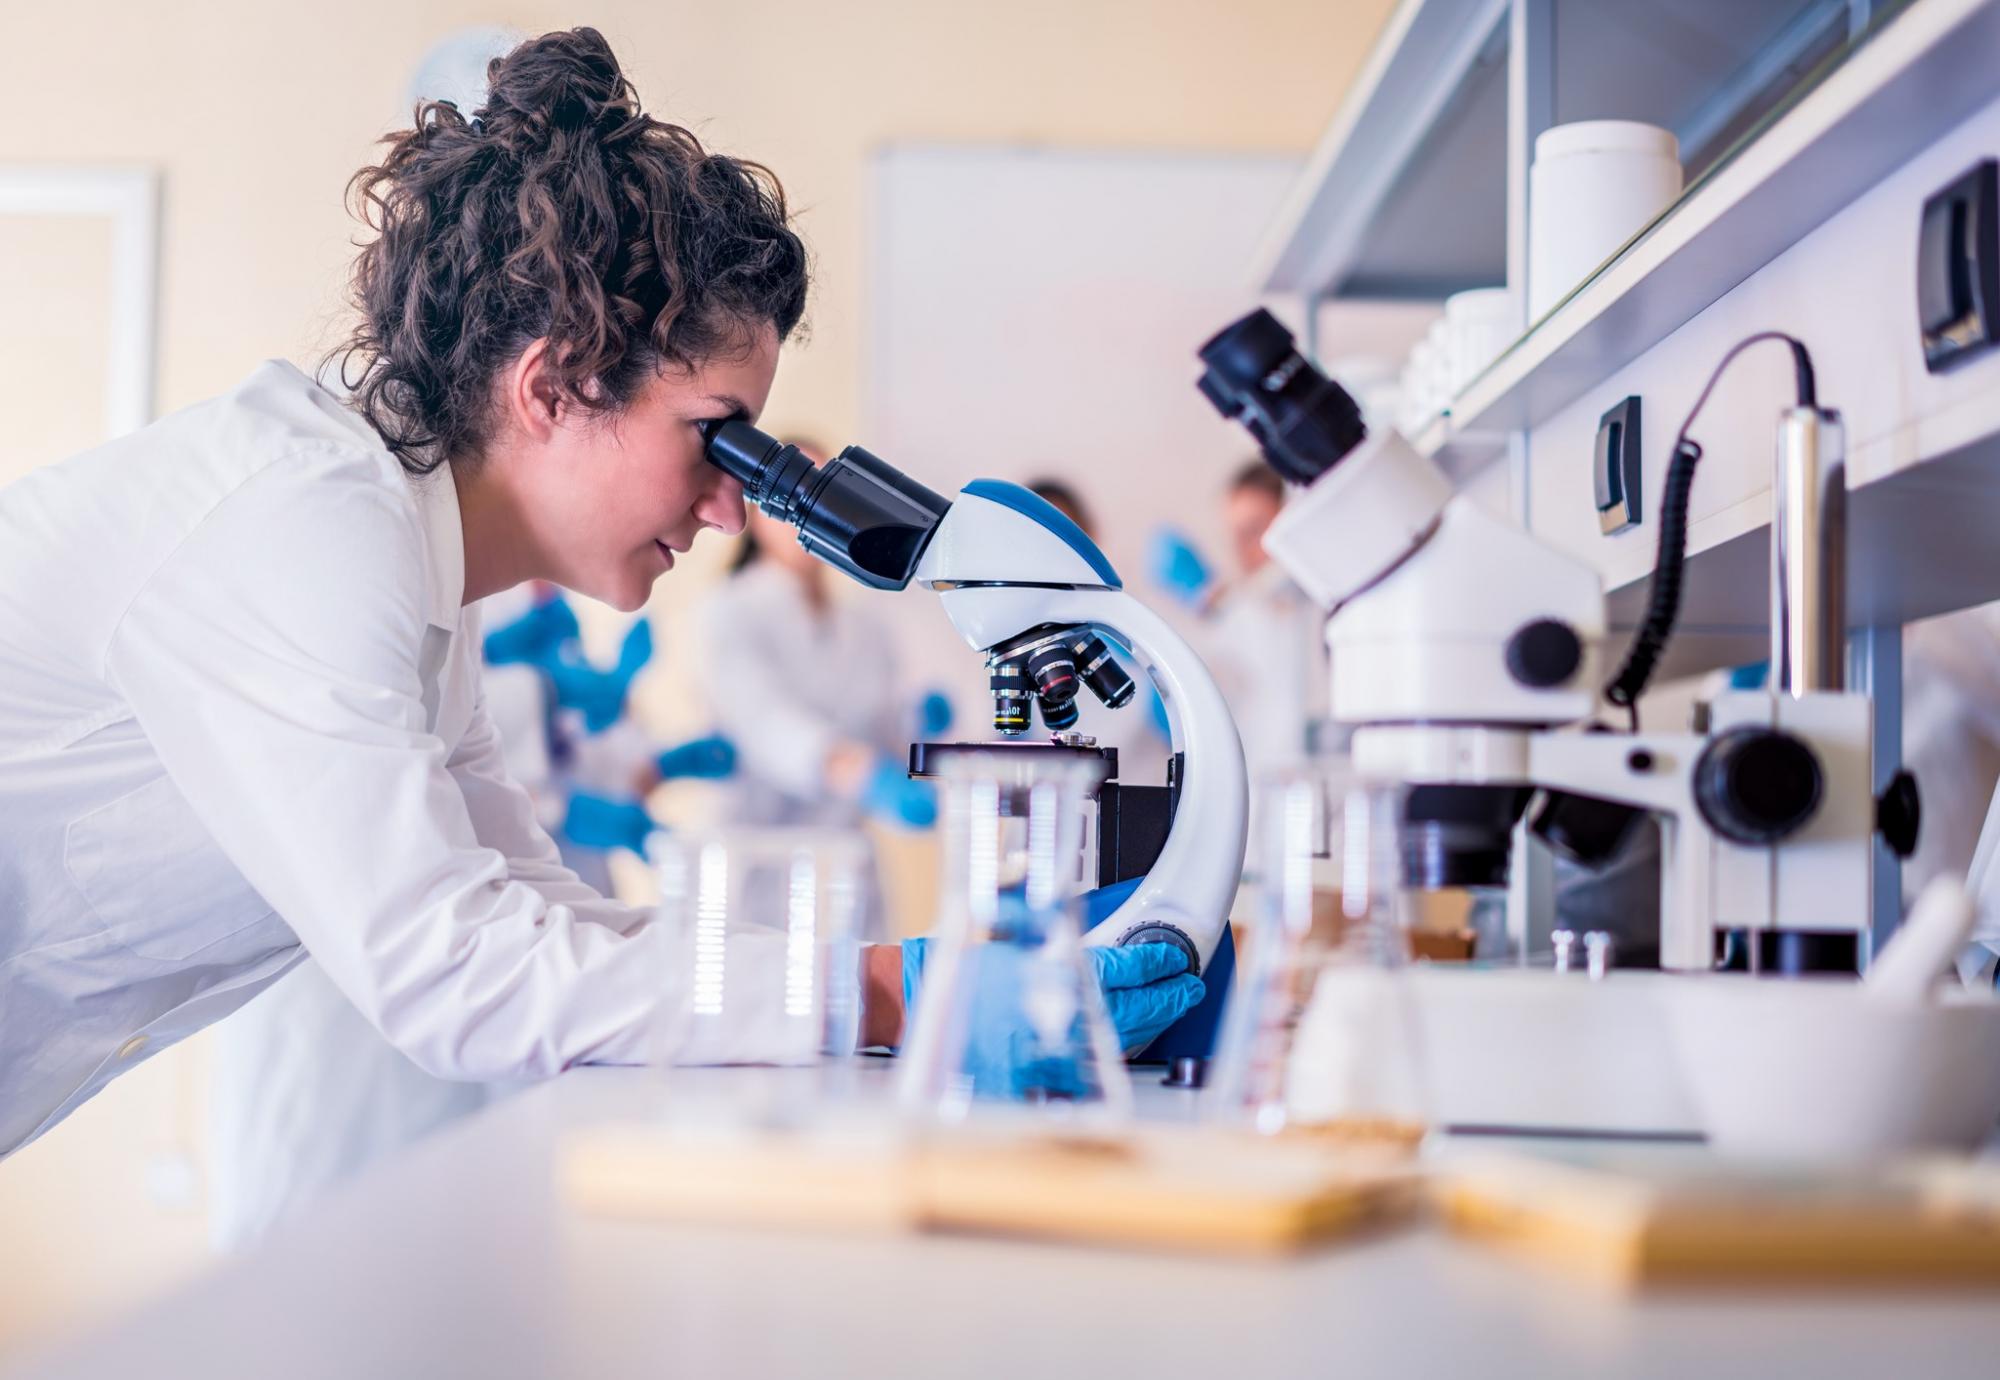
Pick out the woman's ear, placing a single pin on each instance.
(532, 398)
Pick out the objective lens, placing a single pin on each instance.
(1100, 670)
(1053, 669)
(1012, 692)
(1058, 714)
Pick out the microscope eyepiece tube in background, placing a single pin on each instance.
(856, 512)
(1306, 423)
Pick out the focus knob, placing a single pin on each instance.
(1756, 785)
(1543, 654)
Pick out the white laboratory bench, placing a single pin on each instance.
(457, 1259)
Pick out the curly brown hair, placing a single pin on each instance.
(560, 211)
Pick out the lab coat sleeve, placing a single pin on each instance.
(503, 819)
(273, 662)
(781, 737)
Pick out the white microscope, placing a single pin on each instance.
(1032, 593)
(1467, 654)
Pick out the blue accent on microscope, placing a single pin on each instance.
(1030, 504)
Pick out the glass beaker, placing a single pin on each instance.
(1009, 1014)
(1322, 1034)
(765, 924)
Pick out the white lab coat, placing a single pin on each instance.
(239, 719)
(786, 683)
(304, 1093)
(1263, 644)
(1951, 741)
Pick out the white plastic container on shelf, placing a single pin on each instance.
(1593, 186)
(1479, 324)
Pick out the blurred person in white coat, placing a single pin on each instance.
(1951, 744)
(1261, 635)
(805, 683)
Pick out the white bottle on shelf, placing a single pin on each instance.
(1594, 185)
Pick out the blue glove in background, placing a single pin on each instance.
(598, 695)
(705, 759)
(595, 821)
(934, 715)
(636, 650)
(1147, 987)
(536, 636)
(893, 797)
(1178, 567)
(1751, 677)
(1156, 708)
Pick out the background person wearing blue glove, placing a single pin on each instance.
(802, 675)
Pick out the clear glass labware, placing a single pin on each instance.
(1009, 1015)
(1322, 1034)
(766, 928)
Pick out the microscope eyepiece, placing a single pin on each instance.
(855, 512)
(1305, 423)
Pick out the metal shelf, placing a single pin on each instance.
(1406, 195)
(1921, 75)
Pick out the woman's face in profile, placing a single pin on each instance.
(622, 496)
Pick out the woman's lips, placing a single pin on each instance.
(666, 552)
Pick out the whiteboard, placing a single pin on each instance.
(1036, 311)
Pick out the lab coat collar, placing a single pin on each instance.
(444, 543)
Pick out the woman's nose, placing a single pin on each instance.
(722, 508)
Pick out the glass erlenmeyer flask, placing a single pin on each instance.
(1355, 1067)
(1009, 1012)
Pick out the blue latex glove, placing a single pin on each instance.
(1157, 709)
(706, 759)
(536, 636)
(1178, 567)
(1147, 987)
(595, 821)
(893, 797)
(598, 695)
(636, 650)
(934, 715)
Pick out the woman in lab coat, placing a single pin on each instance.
(239, 708)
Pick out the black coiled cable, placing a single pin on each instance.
(1663, 604)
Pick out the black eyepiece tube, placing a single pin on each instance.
(1304, 421)
(855, 512)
